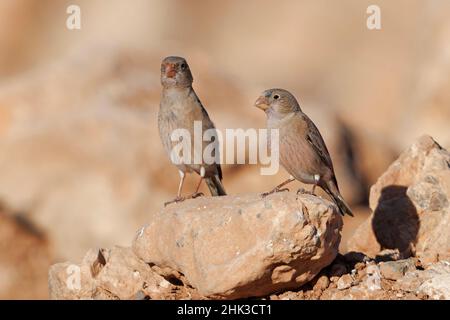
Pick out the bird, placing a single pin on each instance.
(302, 150)
(179, 108)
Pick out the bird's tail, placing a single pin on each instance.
(215, 186)
(332, 189)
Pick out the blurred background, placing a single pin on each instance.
(81, 165)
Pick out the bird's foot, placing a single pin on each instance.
(276, 190)
(176, 200)
(304, 191)
(196, 195)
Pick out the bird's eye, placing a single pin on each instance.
(183, 66)
(276, 97)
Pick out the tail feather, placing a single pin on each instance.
(332, 189)
(215, 186)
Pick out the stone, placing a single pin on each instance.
(360, 266)
(410, 203)
(373, 280)
(345, 282)
(322, 283)
(432, 283)
(437, 286)
(115, 274)
(243, 246)
(394, 270)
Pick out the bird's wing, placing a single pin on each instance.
(207, 124)
(315, 139)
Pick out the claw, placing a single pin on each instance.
(276, 190)
(304, 191)
(176, 200)
(196, 195)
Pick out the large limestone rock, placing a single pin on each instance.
(410, 203)
(243, 246)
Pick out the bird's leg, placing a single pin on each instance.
(180, 186)
(196, 193)
(278, 188)
(179, 198)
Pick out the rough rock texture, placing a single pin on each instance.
(365, 281)
(394, 270)
(110, 274)
(279, 248)
(119, 274)
(410, 203)
(243, 246)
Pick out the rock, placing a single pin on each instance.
(433, 282)
(373, 280)
(289, 295)
(394, 270)
(368, 283)
(345, 282)
(322, 283)
(437, 286)
(409, 283)
(243, 246)
(107, 274)
(410, 203)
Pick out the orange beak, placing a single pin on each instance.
(262, 103)
(170, 70)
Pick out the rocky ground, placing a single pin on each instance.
(285, 246)
(119, 274)
(355, 277)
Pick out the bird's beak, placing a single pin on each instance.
(262, 103)
(170, 70)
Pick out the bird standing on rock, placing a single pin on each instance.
(179, 109)
(302, 150)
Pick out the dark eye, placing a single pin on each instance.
(183, 66)
(163, 68)
(276, 97)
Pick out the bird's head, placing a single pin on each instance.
(175, 72)
(278, 101)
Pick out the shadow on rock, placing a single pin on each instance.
(395, 222)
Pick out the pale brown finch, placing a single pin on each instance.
(179, 108)
(302, 150)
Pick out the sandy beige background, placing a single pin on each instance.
(81, 165)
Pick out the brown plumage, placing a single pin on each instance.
(179, 108)
(303, 152)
